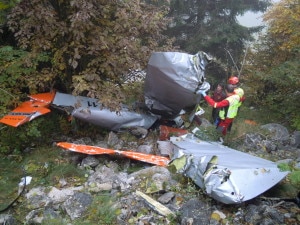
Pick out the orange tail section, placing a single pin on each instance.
(27, 111)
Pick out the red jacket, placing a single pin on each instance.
(215, 104)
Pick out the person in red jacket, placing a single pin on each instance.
(218, 95)
(229, 107)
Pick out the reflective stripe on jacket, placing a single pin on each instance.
(232, 110)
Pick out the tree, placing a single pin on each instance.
(284, 27)
(211, 26)
(93, 44)
(275, 79)
(5, 8)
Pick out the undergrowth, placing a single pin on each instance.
(29, 148)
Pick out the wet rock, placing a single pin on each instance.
(90, 161)
(35, 217)
(157, 178)
(51, 213)
(107, 178)
(111, 173)
(279, 132)
(7, 219)
(195, 212)
(58, 196)
(147, 149)
(263, 214)
(165, 148)
(269, 146)
(77, 204)
(166, 198)
(253, 141)
(138, 132)
(37, 198)
(295, 139)
(113, 141)
(84, 141)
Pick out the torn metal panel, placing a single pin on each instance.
(227, 175)
(90, 110)
(171, 82)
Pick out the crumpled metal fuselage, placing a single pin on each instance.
(227, 175)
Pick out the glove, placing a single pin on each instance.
(201, 92)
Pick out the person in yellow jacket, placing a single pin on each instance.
(229, 107)
(233, 80)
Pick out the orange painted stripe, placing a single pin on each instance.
(38, 105)
(95, 150)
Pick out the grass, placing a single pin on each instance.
(11, 173)
(48, 165)
(102, 211)
(248, 120)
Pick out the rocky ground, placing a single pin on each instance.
(174, 199)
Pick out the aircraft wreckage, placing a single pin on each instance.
(172, 79)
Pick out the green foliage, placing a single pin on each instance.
(16, 140)
(274, 72)
(70, 172)
(102, 211)
(10, 176)
(46, 165)
(5, 7)
(18, 70)
(134, 92)
(34, 133)
(54, 221)
(284, 167)
(294, 175)
(93, 45)
(11, 68)
(211, 26)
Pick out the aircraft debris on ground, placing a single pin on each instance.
(227, 175)
(172, 79)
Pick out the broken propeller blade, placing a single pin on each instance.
(95, 150)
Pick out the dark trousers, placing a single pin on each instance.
(215, 116)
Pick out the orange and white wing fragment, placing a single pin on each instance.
(29, 110)
(95, 150)
(45, 98)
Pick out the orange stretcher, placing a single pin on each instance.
(95, 150)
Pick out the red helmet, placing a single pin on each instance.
(233, 80)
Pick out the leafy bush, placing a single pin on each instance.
(274, 69)
(102, 210)
(15, 140)
(93, 45)
(37, 132)
(294, 176)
